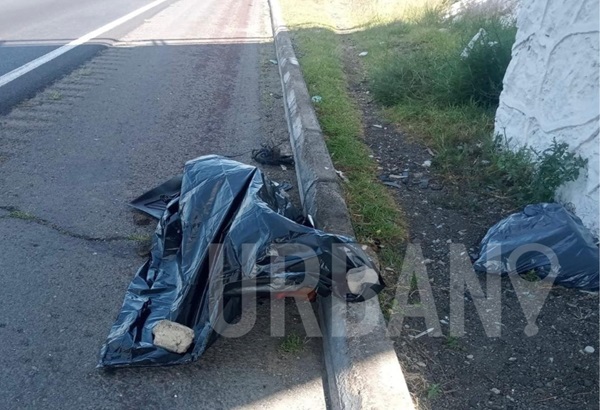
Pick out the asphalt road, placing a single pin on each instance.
(30, 29)
(193, 79)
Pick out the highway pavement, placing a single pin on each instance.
(32, 29)
(188, 79)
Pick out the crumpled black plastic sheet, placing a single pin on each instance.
(222, 206)
(573, 253)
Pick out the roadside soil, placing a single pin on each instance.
(548, 370)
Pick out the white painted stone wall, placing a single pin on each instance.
(551, 90)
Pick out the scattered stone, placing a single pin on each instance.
(273, 62)
(444, 322)
(342, 176)
(405, 176)
(470, 356)
(589, 350)
(393, 176)
(427, 164)
(283, 167)
(421, 364)
(512, 359)
(551, 360)
(359, 278)
(495, 390)
(449, 241)
(435, 186)
(363, 53)
(427, 261)
(377, 126)
(172, 336)
(393, 184)
(316, 99)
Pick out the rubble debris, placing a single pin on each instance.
(271, 155)
(172, 336)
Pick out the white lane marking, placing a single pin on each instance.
(32, 65)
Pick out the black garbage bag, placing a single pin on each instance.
(519, 244)
(226, 211)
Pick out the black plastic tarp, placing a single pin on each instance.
(228, 211)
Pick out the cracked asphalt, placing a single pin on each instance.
(194, 79)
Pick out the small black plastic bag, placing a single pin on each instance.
(544, 238)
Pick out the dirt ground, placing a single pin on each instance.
(548, 370)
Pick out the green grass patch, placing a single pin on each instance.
(448, 102)
(434, 391)
(292, 343)
(22, 215)
(55, 95)
(374, 214)
(453, 343)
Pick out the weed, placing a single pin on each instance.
(529, 176)
(555, 166)
(434, 391)
(531, 276)
(413, 283)
(142, 238)
(453, 343)
(393, 309)
(55, 95)
(21, 215)
(85, 72)
(430, 65)
(292, 343)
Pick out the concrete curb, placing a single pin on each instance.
(363, 371)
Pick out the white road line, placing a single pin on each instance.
(32, 65)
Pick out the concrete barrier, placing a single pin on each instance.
(363, 371)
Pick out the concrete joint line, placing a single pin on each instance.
(356, 379)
